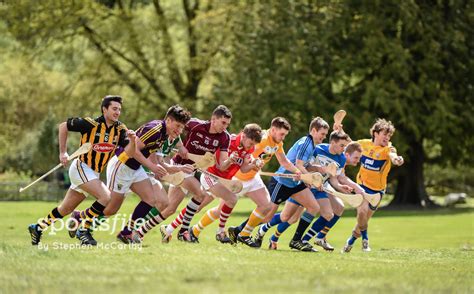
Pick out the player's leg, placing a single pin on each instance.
(362, 212)
(306, 199)
(227, 204)
(194, 187)
(338, 209)
(261, 197)
(98, 190)
(71, 200)
(326, 214)
(161, 198)
(295, 214)
(144, 189)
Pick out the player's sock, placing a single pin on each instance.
(322, 234)
(150, 224)
(153, 212)
(351, 240)
(304, 223)
(273, 222)
(90, 213)
(242, 225)
(279, 230)
(208, 218)
(141, 210)
(49, 219)
(317, 226)
(191, 209)
(176, 222)
(224, 215)
(364, 235)
(98, 221)
(255, 219)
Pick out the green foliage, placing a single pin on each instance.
(409, 62)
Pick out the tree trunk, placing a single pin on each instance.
(410, 190)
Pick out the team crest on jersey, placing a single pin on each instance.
(270, 150)
(215, 143)
(103, 147)
(377, 155)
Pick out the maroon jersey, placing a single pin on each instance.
(199, 141)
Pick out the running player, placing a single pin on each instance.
(253, 186)
(202, 136)
(378, 155)
(323, 155)
(283, 188)
(125, 174)
(241, 147)
(105, 133)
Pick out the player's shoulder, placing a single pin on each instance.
(121, 126)
(93, 121)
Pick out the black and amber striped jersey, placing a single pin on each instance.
(104, 139)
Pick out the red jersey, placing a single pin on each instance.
(240, 153)
(199, 141)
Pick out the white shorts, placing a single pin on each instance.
(120, 177)
(251, 185)
(207, 182)
(80, 173)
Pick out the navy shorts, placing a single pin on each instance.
(370, 191)
(316, 193)
(279, 192)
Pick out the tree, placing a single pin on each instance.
(160, 50)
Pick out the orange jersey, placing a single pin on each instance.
(375, 164)
(263, 150)
(240, 153)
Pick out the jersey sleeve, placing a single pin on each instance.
(225, 143)
(305, 150)
(280, 148)
(79, 124)
(123, 139)
(149, 133)
(193, 122)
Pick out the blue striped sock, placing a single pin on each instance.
(274, 221)
(317, 226)
(328, 226)
(364, 235)
(351, 240)
(280, 229)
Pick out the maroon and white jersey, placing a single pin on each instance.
(199, 141)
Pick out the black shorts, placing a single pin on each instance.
(279, 192)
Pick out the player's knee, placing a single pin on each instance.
(363, 227)
(232, 200)
(356, 234)
(327, 215)
(162, 204)
(104, 198)
(265, 208)
(313, 209)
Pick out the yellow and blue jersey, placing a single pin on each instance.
(375, 165)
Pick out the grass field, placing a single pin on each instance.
(413, 252)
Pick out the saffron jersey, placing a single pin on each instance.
(375, 164)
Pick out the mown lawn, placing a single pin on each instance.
(413, 252)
